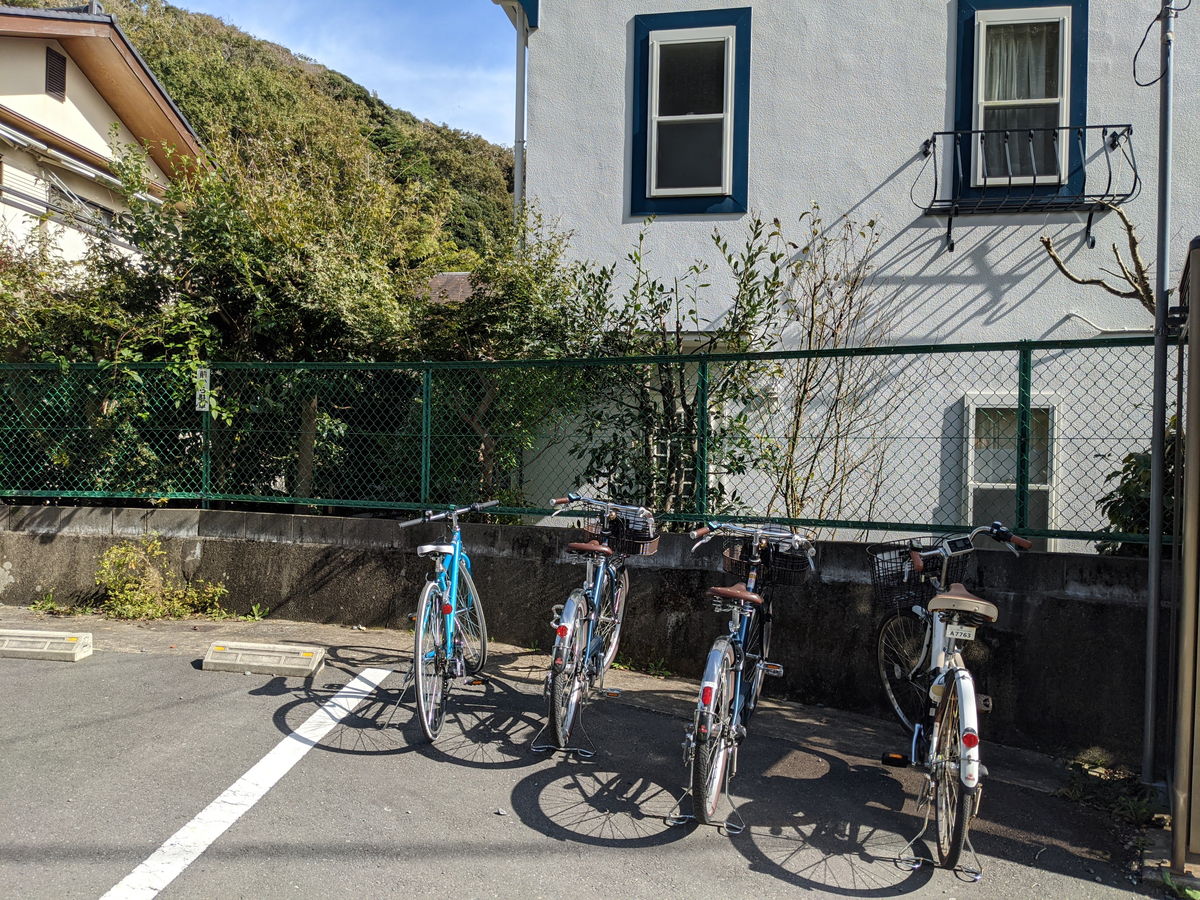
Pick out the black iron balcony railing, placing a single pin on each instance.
(1083, 168)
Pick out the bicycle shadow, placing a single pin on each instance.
(818, 821)
(599, 801)
(380, 724)
(488, 725)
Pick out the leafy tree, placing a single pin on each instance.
(643, 439)
(1127, 504)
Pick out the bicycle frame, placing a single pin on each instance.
(448, 583)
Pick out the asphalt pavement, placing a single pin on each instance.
(109, 758)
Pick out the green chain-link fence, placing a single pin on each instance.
(895, 438)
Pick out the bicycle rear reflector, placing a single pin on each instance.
(447, 609)
(706, 695)
(561, 631)
(970, 740)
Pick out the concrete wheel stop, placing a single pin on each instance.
(66, 646)
(263, 659)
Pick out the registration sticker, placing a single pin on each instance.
(961, 632)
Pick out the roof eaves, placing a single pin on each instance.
(79, 15)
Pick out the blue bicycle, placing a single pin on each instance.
(450, 638)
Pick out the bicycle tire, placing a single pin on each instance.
(954, 803)
(566, 679)
(471, 623)
(429, 661)
(613, 610)
(710, 758)
(902, 661)
(758, 643)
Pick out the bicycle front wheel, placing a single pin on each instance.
(566, 673)
(902, 658)
(611, 615)
(472, 625)
(429, 660)
(758, 645)
(713, 736)
(954, 803)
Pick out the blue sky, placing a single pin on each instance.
(451, 62)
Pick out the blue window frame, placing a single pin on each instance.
(1022, 67)
(691, 113)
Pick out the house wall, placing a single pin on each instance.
(84, 118)
(842, 98)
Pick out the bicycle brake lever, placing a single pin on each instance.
(704, 540)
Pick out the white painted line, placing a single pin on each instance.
(183, 847)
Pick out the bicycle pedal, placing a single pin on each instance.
(477, 681)
(895, 760)
(774, 670)
(983, 703)
(610, 692)
(412, 617)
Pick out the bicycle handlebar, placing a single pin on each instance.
(997, 531)
(430, 516)
(776, 533)
(606, 506)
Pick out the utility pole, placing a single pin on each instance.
(1159, 417)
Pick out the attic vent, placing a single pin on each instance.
(56, 74)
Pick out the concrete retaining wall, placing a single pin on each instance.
(1064, 665)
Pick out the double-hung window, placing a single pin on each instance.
(691, 112)
(994, 463)
(1020, 97)
(1022, 94)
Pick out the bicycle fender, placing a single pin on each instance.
(563, 641)
(968, 720)
(711, 678)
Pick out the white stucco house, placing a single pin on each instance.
(966, 128)
(68, 79)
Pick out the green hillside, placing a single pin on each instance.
(233, 86)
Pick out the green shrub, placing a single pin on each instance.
(138, 586)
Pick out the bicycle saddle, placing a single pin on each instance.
(590, 547)
(428, 549)
(959, 599)
(737, 592)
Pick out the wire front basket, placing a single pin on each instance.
(628, 534)
(897, 584)
(779, 565)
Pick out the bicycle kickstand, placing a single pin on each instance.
(409, 677)
(906, 860)
(973, 873)
(583, 752)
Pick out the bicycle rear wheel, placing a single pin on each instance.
(566, 673)
(954, 803)
(429, 660)
(471, 623)
(902, 659)
(710, 759)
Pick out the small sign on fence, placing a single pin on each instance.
(203, 384)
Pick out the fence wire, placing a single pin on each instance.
(1050, 437)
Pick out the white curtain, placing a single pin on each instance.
(1022, 61)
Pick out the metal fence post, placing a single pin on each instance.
(426, 433)
(702, 440)
(1024, 427)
